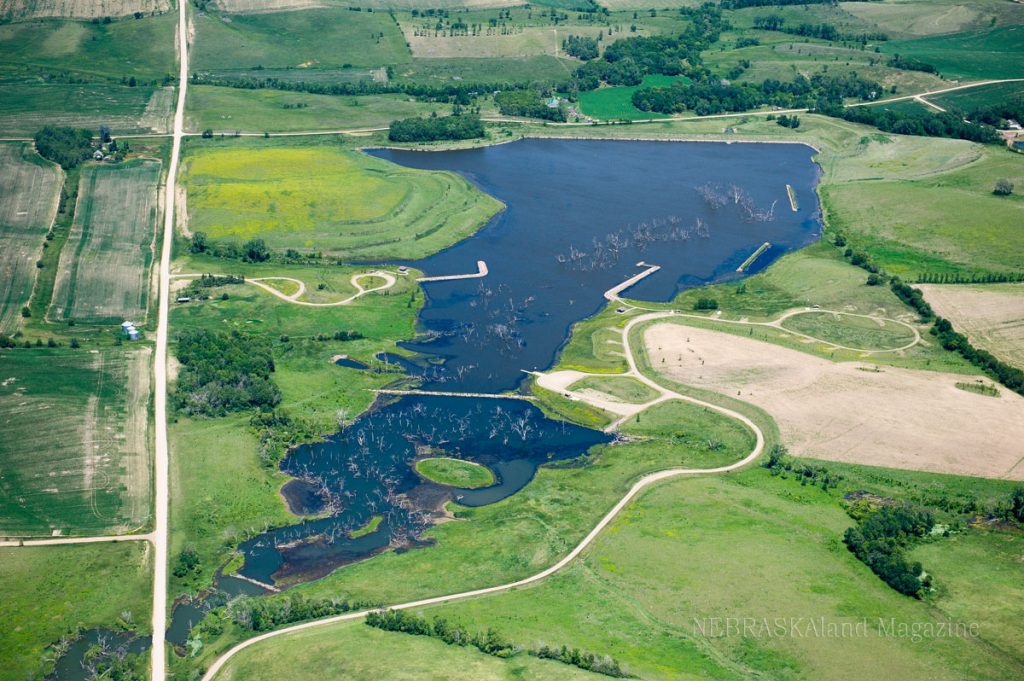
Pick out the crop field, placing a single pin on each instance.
(49, 592)
(86, 9)
(29, 189)
(856, 412)
(313, 38)
(322, 197)
(226, 109)
(26, 107)
(616, 103)
(991, 315)
(743, 545)
(974, 98)
(127, 47)
(977, 55)
(75, 453)
(243, 6)
(104, 267)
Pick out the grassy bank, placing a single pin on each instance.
(316, 195)
(54, 591)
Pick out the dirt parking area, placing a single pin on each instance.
(991, 315)
(852, 411)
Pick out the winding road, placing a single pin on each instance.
(642, 484)
(389, 281)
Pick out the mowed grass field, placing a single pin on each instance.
(226, 110)
(746, 545)
(323, 197)
(104, 267)
(977, 55)
(314, 38)
(74, 455)
(29, 189)
(946, 220)
(143, 48)
(48, 592)
(28, 106)
(616, 103)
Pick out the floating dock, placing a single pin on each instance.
(792, 198)
(754, 256)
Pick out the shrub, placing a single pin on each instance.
(1003, 187)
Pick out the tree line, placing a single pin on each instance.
(265, 613)
(528, 103)
(489, 642)
(908, 122)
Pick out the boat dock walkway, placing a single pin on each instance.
(613, 292)
(481, 272)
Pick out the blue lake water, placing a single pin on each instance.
(580, 215)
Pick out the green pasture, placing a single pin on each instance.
(976, 55)
(455, 472)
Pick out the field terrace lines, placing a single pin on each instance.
(638, 487)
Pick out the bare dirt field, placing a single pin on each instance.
(103, 267)
(851, 412)
(84, 9)
(28, 203)
(991, 315)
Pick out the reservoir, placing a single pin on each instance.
(579, 217)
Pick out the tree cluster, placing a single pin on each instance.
(224, 372)
(822, 31)
(66, 147)
(277, 431)
(910, 64)
(879, 541)
(489, 642)
(581, 47)
(705, 304)
(198, 289)
(435, 128)
(528, 103)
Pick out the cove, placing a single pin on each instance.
(579, 217)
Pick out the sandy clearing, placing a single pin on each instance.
(991, 315)
(901, 418)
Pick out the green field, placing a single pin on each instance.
(747, 545)
(226, 110)
(976, 55)
(440, 70)
(616, 103)
(362, 653)
(51, 592)
(455, 473)
(139, 48)
(852, 332)
(623, 388)
(312, 38)
(974, 98)
(28, 203)
(27, 106)
(322, 197)
(74, 457)
(104, 267)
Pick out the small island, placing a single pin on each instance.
(455, 472)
